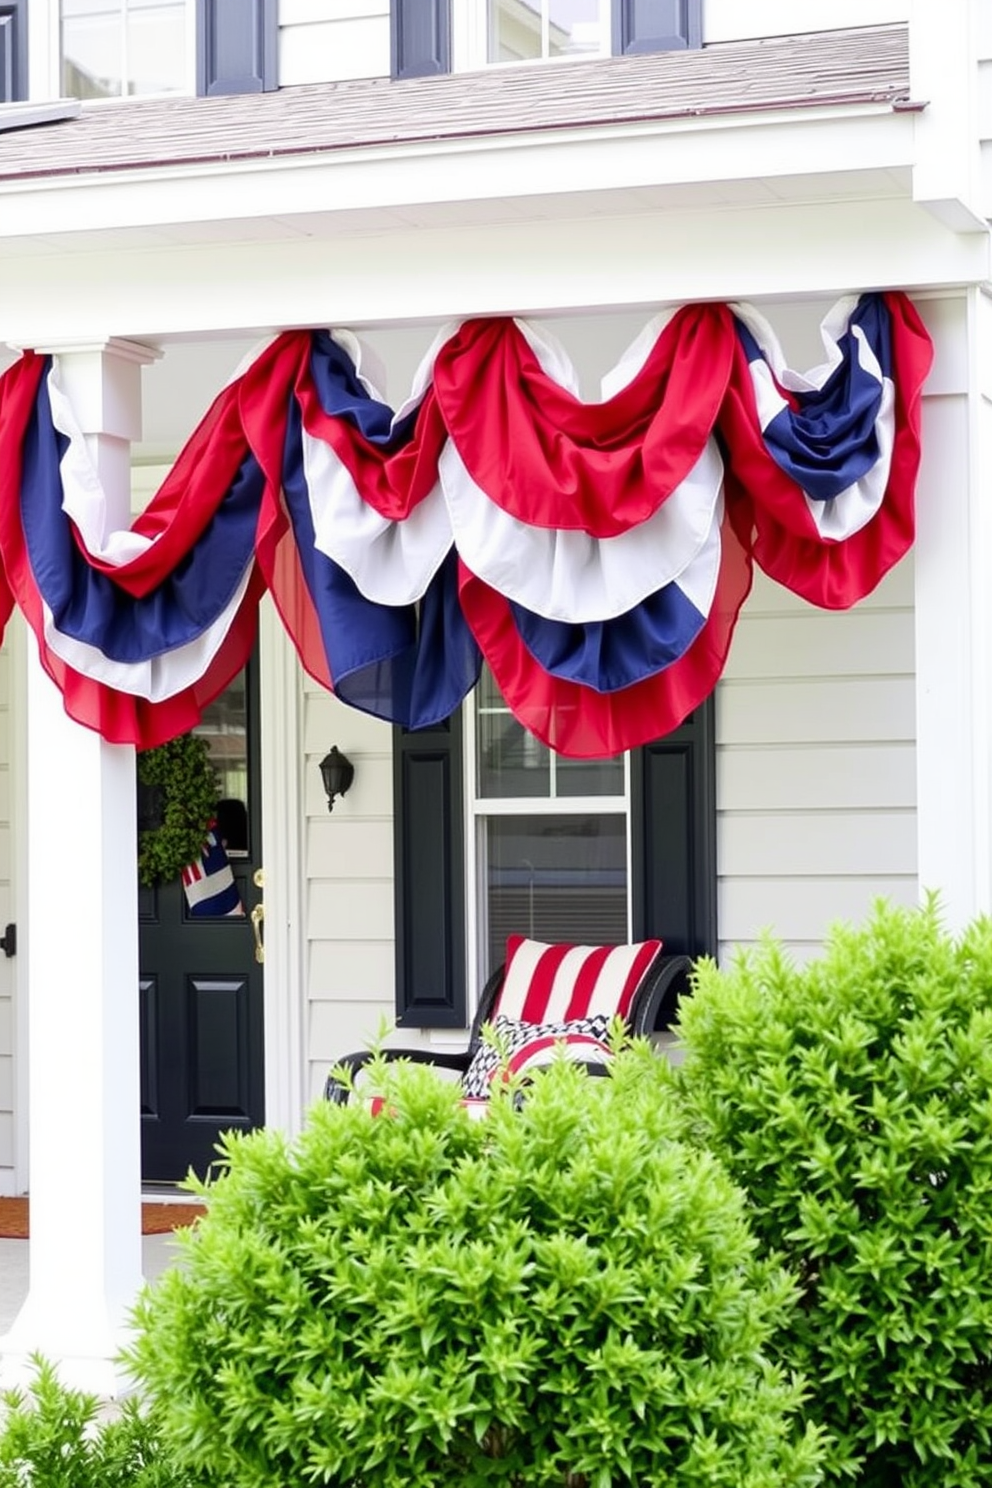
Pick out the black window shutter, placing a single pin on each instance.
(420, 37)
(429, 876)
(236, 46)
(656, 25)
(13, 50)
(673, 837)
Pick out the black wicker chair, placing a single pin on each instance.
(652, 1008)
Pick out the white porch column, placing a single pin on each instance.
(954, 611)
(81, 944)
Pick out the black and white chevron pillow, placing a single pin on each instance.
(517, 1048)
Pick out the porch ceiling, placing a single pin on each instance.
(880, 184)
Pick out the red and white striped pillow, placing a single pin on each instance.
(557, 1000)
(561, 983)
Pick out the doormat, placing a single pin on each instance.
(156, 1219)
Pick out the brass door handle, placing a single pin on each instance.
(257, 916)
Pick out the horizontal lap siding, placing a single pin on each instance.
(349, 885)
(984, 53)
(816, 764)
(729, 20)
(323, 41)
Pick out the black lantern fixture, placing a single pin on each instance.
(337, 773)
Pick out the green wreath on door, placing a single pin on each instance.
(178, 789)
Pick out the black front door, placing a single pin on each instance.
(202, 1062)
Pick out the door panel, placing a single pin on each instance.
(201, 1009)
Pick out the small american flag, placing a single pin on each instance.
(209, 882)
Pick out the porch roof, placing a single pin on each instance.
(860, 66)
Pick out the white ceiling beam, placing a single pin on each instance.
(533, 268)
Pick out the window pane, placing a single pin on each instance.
(156, 46)
(511, 761)
(556, 878)
(514, 30)
(91, 48)
(112, 47)
(581, 777)
(225, 728)
(575, 27)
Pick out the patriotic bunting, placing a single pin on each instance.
(595, 554)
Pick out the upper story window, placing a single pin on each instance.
(525, 30)
(120, 48)
(429, 37)
(129, 48)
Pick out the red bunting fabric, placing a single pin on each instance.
(594, 554)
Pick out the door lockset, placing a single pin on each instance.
(258, 915)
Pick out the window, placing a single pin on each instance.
(552, 841)
(119, 48)
(226, 727)
(127, 48)
(13, 50)
(520, 30)
(496, 834)
(509, 31)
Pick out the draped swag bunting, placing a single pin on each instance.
(595, 554)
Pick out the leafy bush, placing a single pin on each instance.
(559, 1294)
(53, 1437)
(852, 1099)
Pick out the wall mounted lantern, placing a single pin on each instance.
(337, 773)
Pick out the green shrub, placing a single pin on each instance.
(559, 1294)
(852, 1100)
(54, 1437)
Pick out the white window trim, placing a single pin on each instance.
(45, 55)
(470, 39)
(478, 808)
(44, 69)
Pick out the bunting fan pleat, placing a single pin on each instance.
(594, 554)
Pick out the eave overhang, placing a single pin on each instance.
(712, 127)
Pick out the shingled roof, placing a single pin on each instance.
(863, 65)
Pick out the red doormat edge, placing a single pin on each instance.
(156, 1218)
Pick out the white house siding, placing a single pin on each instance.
(729, 20)
(324, 41)
(348, 912)
(816, 764)
(7, 914)
(984, 60)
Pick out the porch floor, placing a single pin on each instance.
(157, 1252)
